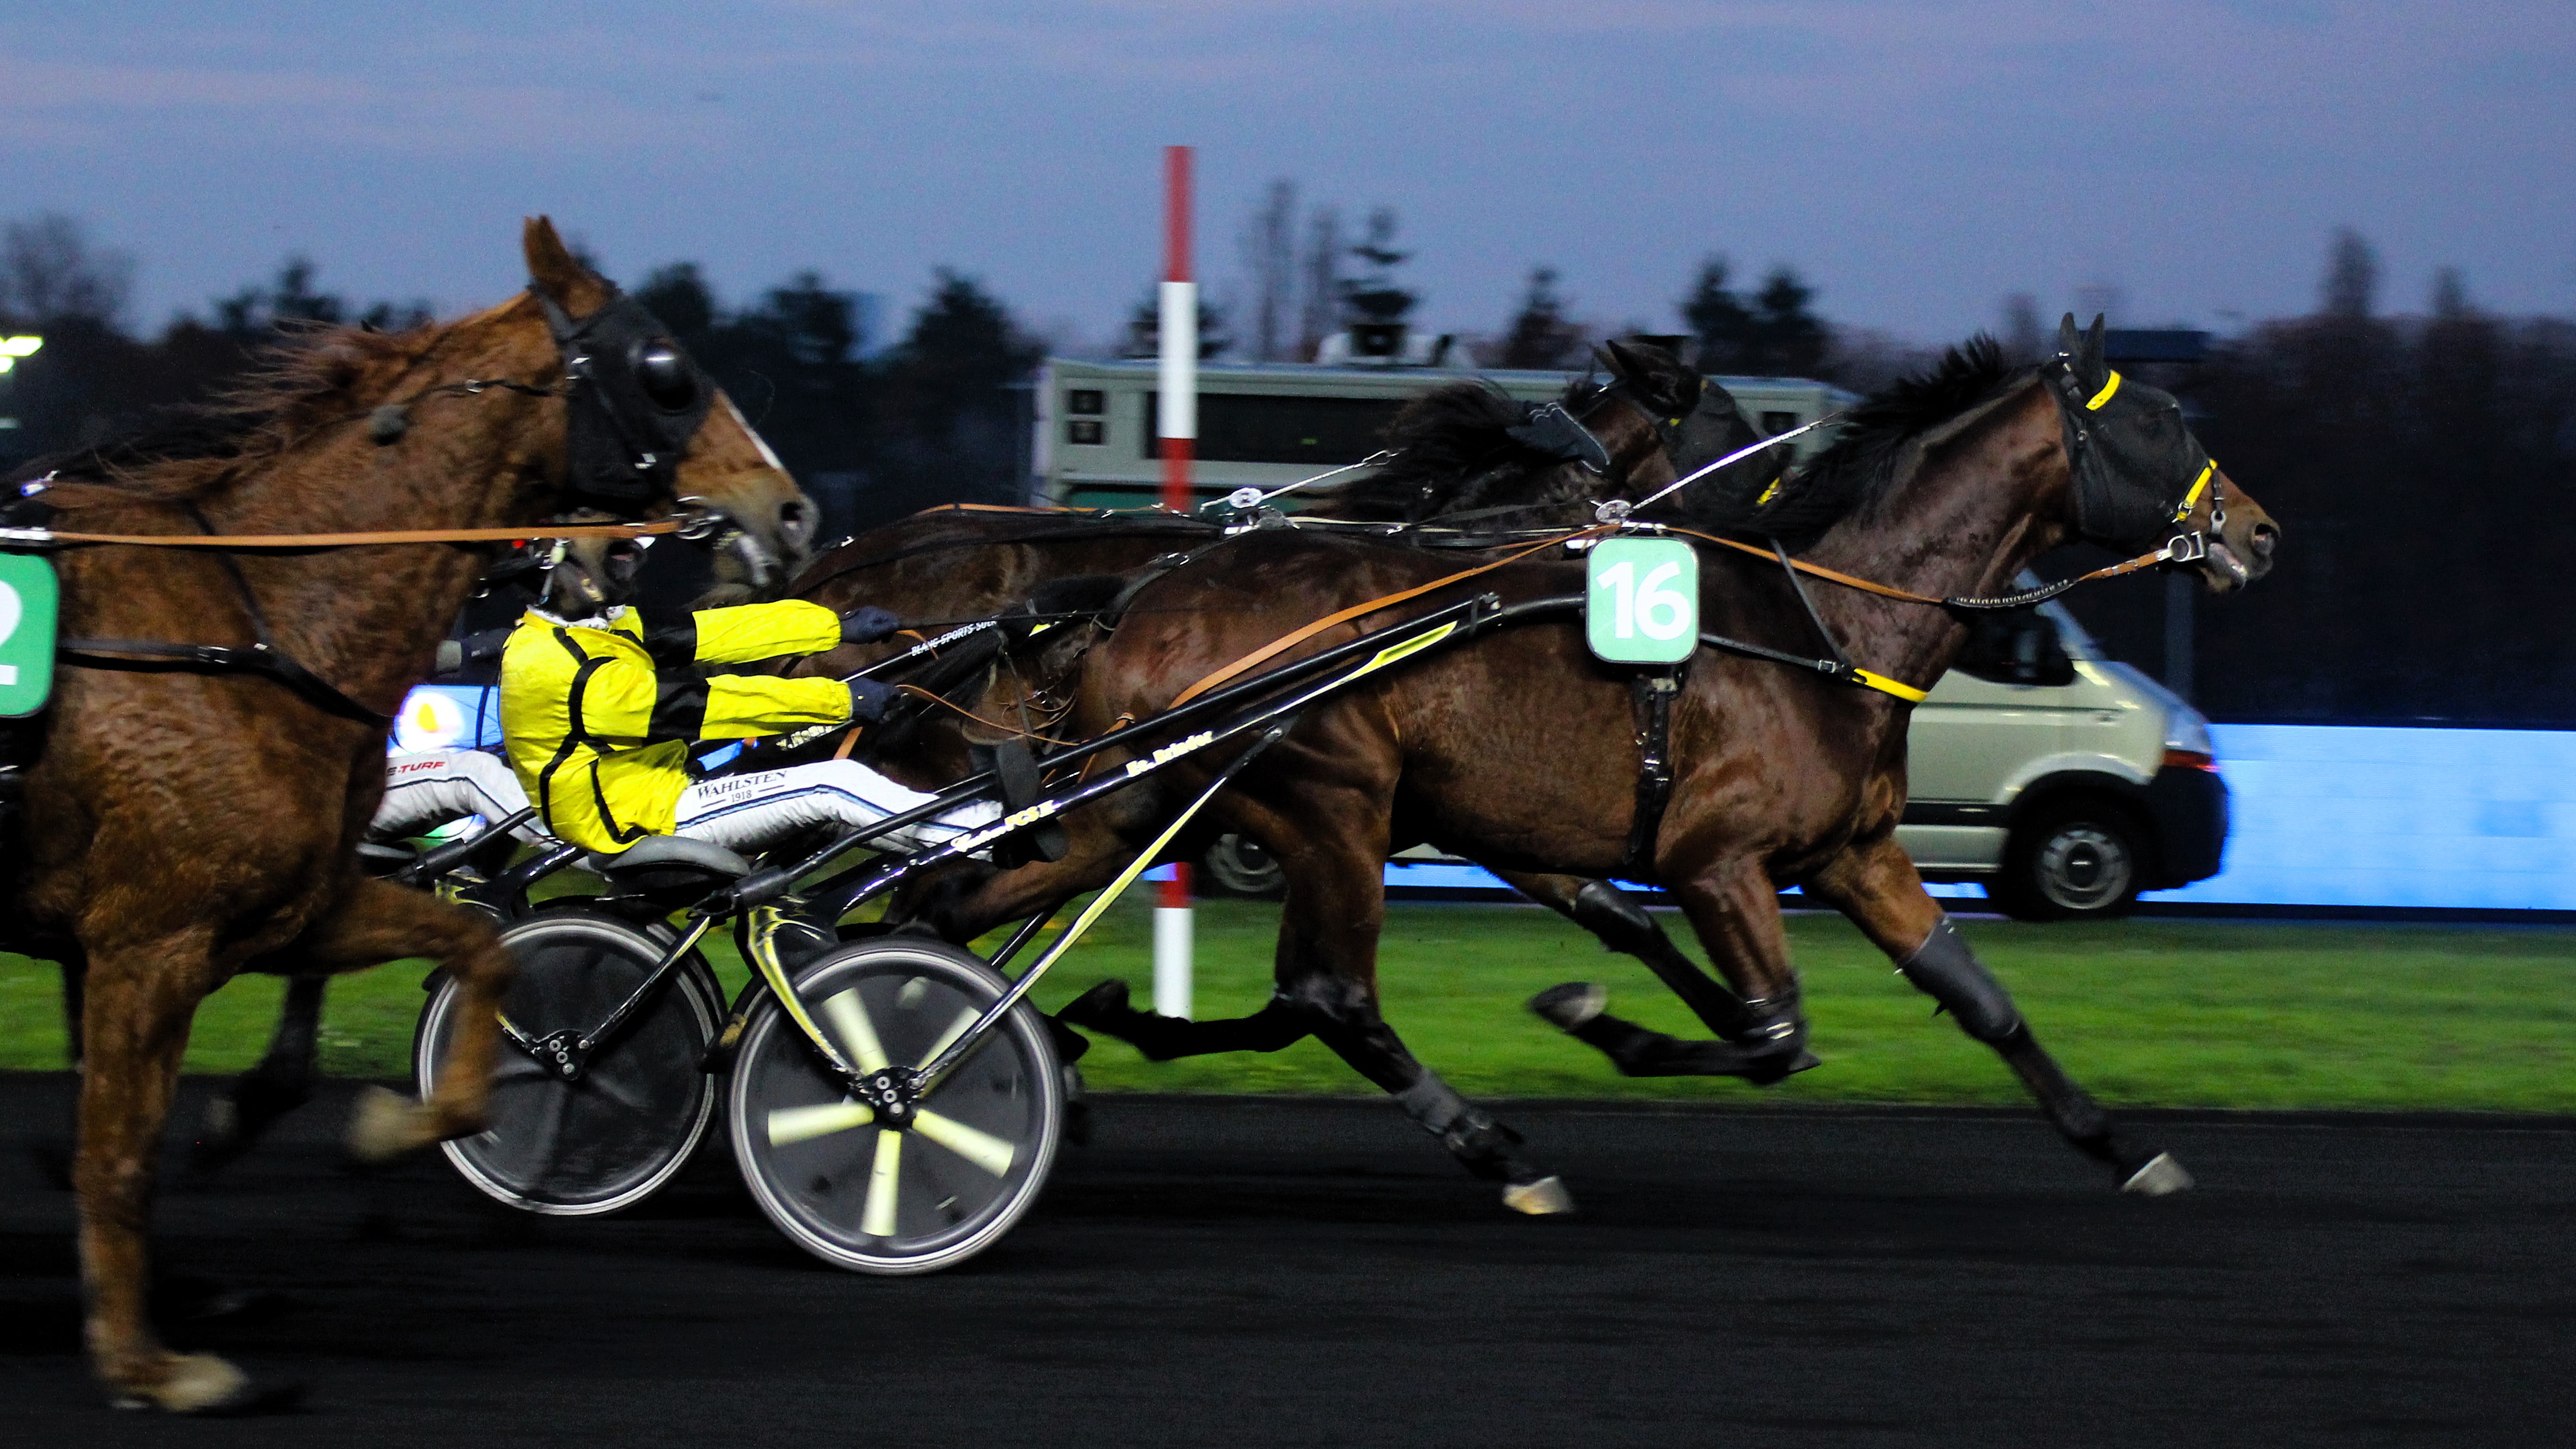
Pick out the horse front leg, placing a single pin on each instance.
(142, 995)
(1621, 924)
(1875, 884)
(280, 1083)
(376, 922)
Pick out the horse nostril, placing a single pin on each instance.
(2265, 535)
(795, 521)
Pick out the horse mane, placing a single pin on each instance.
(1872, 452)
(311, 378)
(1450, 444)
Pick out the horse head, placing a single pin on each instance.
(647, 432)
(2138, 475)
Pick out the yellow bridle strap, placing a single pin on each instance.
(2099, 398)
(2191, 500)
(1885, 685)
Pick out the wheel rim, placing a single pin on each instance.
(1243, 867)
(878, 1199)
(2084, 868)
(613, 1136)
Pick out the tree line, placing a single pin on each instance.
(2422, 464)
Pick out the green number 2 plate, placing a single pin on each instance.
(1641, 600)
(29, 599)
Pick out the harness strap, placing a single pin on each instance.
(1297, 636)
(1650, 701)
(23, 537)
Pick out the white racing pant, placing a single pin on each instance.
(747, 813)
(426, 790)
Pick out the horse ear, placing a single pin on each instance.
(2095, 369)
(2068, 339)
(1658, 377)
(551, 265)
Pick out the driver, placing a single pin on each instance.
(599, 712)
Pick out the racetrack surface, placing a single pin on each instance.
(1241, 1271)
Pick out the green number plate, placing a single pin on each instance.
(1641, 604)
(28, 598)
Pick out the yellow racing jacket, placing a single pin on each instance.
(598, 717)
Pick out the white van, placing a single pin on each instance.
(2062, 781)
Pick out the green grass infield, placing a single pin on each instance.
(2147, 1012)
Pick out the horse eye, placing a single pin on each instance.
(665, 375)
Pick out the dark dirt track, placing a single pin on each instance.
(1236, 1272)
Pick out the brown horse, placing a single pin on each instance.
(1456, 455)
(1520, 749)
(184, 826)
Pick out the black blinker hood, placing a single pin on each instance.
(635, 399)
(2138, 470)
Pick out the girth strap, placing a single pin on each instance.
(1650, 700)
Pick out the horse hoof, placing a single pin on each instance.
(204, 1385)
(1103, 1003)
(387, 1124)
(2160, 1176)
(1546, 1197)
(1571, 1005)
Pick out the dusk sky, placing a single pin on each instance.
(1916, 161)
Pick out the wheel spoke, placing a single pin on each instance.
(858, 1033)
(790, 1125)
(955, 1030)
(876, 1216)
(981, 1148)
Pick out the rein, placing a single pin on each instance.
(48, 537)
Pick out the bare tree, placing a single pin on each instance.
(1270, 255)
(1319, 313)
(2450, 295)
(2352, 276)
(49, 270)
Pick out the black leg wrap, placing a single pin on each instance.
(1613, 915)
(1483, 1145)
(1944, 969)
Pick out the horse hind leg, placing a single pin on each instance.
(280, 1083)
(376, 922)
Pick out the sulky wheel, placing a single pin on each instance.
(613, 1134)
(966, 1160)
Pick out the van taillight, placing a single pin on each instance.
(2190, 760)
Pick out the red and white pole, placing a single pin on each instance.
(1177, 409)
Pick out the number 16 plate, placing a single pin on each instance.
(1641, 600)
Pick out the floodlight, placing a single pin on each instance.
(23, 345)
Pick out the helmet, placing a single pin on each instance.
(587, 577)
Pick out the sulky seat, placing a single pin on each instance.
(670, 864)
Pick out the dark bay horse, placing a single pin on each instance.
(181, 827)
(1455, 459)
(1520, 749)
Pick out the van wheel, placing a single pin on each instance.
(2076, 862)
(1236, 866)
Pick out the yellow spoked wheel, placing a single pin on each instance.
(912, 1190)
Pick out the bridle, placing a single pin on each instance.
(634, 400)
